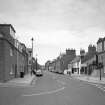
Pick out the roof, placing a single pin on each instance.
(8, 25)
(88, 57)
(100, 40)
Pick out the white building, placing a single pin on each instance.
(75, 65)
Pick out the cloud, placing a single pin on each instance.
(55, 24)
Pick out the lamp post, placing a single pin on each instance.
(32, 55)
(32, 45)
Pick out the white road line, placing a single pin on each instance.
(44, 93)
(98, 86)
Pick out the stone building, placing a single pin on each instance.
(13, 56)
(62, 61)
(88, 60)
(29, 51)
(101, 54)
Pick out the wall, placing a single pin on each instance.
(6, 32)
(10, 61)
(1, 59)
(101, 58)
(58, 66)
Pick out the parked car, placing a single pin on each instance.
(67, 72)
(39, 73)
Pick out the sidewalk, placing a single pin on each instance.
(27, 80)
(89, 78)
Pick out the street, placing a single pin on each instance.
(53, 89)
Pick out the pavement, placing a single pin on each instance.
(26, 81)
(89, 78)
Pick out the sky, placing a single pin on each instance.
(55, 24)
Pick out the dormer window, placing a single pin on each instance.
(99, 47)
(11, 52)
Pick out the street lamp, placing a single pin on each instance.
(32, 45)
(32, 54)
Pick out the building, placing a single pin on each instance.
(62, 61)
(85, 63)
(24, 58)
(101, 54)
(59, 65)
(88, 61)
(47, 64)
(29, 51)
(70, 55)
(13, 59)
(75, 65)
(89, 66)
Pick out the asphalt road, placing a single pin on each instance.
(53, 89)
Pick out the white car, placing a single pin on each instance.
(39, 73)
(65, 72)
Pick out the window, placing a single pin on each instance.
(11, 52)
(12, 33)
(11, 71)
(30, 62)
(99, 47)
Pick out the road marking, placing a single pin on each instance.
(94, 84)
(44, 93)
(98, 86)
